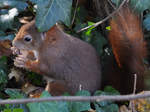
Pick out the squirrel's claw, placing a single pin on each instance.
(20, 62)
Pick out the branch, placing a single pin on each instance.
(77, 1)
(132, 105)
(105, 19)
(78, 98)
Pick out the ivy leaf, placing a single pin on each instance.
(19, 4)
(98, 41)
(111, 91)
(14, 94)
(54, 106)
(7, 37)
(7, 20)
(140, 5)
(89, 30)
(81, 15)
(117, 2)
(34, 1)
(51, 11)
(80, 106)
(109, 108)
(146, 22)
(106, 106)
(3, 11)
(3, 72)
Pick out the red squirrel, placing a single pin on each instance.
(75, 62)
(60, 56)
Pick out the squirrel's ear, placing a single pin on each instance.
(43, 35)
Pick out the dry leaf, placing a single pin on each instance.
(15, 73)
(142, 105)
(5, 46)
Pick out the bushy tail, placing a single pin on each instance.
(129, 49)
(127, 42)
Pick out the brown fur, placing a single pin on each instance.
(66, 58)
(126, 39)
(62, 57)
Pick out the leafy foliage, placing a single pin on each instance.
(146, 22)
(106, 106)
(80, 106)
(140, 5)
(19, 4)
(3, 72)
(46, 15)
(56, 106)
(48, 106)
(7, 20)
(15, 94)
(35, 78)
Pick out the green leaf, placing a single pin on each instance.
(19, 4)
(7, 20)
(36, 79)
(15, 108)
(146, 22)
(98, 41)
(7, 110)
(117, 2)
(108, 28)
(18, 110)
(54, 106)
(109, 108)
(51, 11)
(102, 103)
(3, 72)
(88, 32)
(7, 37)
(80, 106)
(87, 35)
(81, 15)
(14, 94)
(79, 26)
(2, 33)
(3, 11)
(34, 1)
(108, 90)
(140, 5)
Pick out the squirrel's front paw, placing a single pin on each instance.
(20, 61)
(15, 50)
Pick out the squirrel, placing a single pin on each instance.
(59, 56)
(76, 63)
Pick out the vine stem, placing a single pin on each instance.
(105, 19)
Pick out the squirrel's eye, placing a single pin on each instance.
(27, 38)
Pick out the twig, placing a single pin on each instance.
(78, 98)
(132, 105)
(105, 19)
(77, 1)
(135, 82)
(111, 4)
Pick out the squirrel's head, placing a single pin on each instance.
(28, 37)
